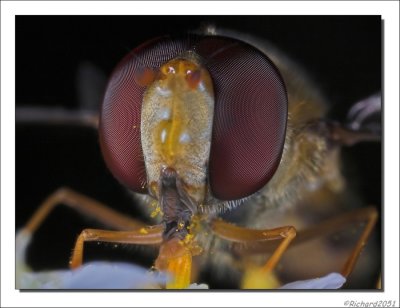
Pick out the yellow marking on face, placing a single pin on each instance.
(173, 131)
(176, 124)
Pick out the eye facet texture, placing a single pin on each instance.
(249, 117)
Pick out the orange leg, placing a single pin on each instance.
(257, 278)
(100, 212)
(331, 226)
(133, 232)
(83, 204)
(237, 234)
(326, 228)
(144, 236)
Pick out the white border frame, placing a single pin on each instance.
(13, 298)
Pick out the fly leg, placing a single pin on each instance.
(368, 215)
(330, 226)
(84, 205)
(144, 236)
(257, 278)
(79, 202)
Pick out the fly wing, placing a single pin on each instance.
(366, 115)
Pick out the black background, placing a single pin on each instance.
(341, 53)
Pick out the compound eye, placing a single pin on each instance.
(249, 118)
(119, 126)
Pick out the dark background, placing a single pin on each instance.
(341, 53)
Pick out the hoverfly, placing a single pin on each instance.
(205, 127)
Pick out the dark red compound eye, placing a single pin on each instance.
(249, 117)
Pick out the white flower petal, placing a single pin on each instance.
(195, 286)
(330, 281)
(22, 241)
(95, 275)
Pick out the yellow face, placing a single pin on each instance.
(176, 125)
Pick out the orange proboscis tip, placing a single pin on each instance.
(175, 258)
(180, 269)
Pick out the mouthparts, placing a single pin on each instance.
(177, 205)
